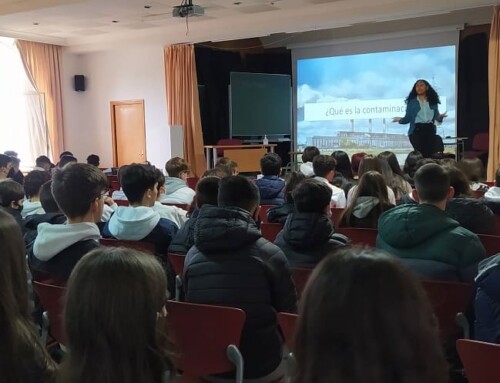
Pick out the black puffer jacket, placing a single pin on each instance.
(231, 264)
(471, 213)
(184, 239)
(279, 214)
(307, 238)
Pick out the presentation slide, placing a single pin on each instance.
(348, 102)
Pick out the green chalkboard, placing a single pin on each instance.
(260, 104)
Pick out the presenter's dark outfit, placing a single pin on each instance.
(422, 134)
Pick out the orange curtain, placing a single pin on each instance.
(183, 106)
(494, 93)
(42, 63)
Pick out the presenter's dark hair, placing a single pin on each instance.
(432, 182)
(322, 165)
(343, 163)
(136, 179)
(207, 191)
(431, 94)
(309, 153)
(381, 326)
(238, 191)
(270, 164)
(312, 196)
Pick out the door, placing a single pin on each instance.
(128, 132)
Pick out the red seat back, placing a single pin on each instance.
(480, 360)
(52, 299)
(360, 236)
(491, 243)
(448, 299)
(300, 277)
(270, 230)
(263, 212)
(480, 142)
(202, 334)
(227, 141)
(287, 323)
(122, 202)
(147, 247)
(177, 262)
(192, 182)
(336, 215)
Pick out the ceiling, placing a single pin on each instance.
(85, 25)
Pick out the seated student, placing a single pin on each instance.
(355, 162)
(139, 222)
(393, 175)
(230, 166)
(271, 186)
(93, 159)
(410, 166)
(177, 190)
(207, 191)
(408, 198)
(5, 165)
(344, 178)
(12, 199)
(65, 160)
(474, 171)
(487, 301)
(32, 184)
(492, 197)
(365, 318)
(43, 163)
(15, 173)
(279, 214)
(369, 163)
(172, 213)
(231, 264)
(306, 168)
(469, 212)
(52, 215)
(308, 233)
(369, 201)
(115, 320)
(425, 238)
(23, 358)
(324, 170)
(119, 195)
(78, 190)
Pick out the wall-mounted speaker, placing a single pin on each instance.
(79, 82)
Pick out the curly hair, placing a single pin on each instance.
(431, 94)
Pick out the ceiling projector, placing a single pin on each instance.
(188, 10)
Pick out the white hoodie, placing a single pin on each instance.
(172, 213)
(30, 208)
(52, 239)
(493, 194)
(133, 223)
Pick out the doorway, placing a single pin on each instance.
(128, 131)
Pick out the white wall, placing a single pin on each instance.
(135, 73)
